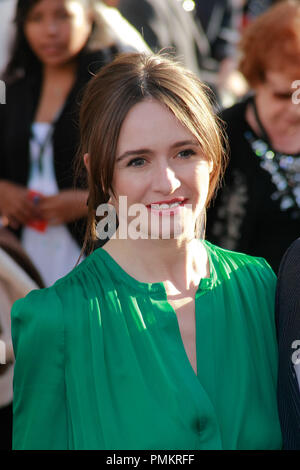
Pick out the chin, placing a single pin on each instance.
(54, 61)
(170, 233)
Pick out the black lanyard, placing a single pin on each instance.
(43, 145)
(263, 132)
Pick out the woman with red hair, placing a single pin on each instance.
(258, 211)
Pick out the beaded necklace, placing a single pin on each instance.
(283, 169)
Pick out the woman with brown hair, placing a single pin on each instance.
(159, 339)
(258, 210)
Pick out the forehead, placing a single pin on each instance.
(150, 124)
(281, 80)
(54, 4)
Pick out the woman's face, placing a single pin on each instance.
(57, 30)
(276, 105)
(159, 161)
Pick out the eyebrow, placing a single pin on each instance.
(145, 150)
(283, 92)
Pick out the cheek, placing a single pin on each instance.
(203, 189)
(283, 108)
(201, 181)
(77, 35)
(277, 108)
(131, 186)
(31, 34)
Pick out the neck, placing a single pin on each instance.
(50, 71)
(180, 264)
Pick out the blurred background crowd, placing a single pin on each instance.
(204, 34)
(247, 52)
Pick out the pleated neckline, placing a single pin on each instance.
(157, 287)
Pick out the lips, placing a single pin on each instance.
(51, 49)
(171, 201)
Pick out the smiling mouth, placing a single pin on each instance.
(51, 49)
(164, 205)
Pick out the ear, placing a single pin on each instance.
(86, 159)
(111, 198)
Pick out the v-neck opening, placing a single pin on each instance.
(205, 284)
(174, 315)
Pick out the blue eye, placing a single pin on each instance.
(135, 162)
(185, 154)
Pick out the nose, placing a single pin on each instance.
(51, 27)
(165, 181)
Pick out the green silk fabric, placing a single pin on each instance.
(100, 363)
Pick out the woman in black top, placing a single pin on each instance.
(258, 210)
(58, 44)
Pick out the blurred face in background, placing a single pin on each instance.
(275, 103)
(57, 30)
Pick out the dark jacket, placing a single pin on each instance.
(246, 216)
(16, 117)
(288, 328)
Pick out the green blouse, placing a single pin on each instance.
(100, 363)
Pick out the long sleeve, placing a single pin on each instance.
(288, 329)
(39, 404)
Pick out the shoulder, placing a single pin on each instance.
(12, 91)
(250, 270)
(37, 325)
(39, 306)
(235, 112)
(81, 274)
(291, 258)
(17, 85)
(41, 320)
(90, 62)
(289, 273)
(17, 93)
(45, 305)
(88, 279)
(234, 117)
(235, 259)
(245, 285)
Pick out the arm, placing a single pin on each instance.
(66, 206)
(15, 207)
(288, 332)
(39, 405)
